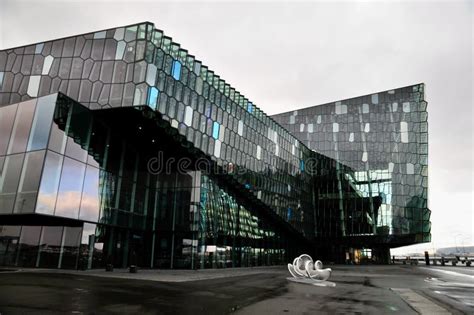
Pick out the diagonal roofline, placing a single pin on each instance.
(350, 98)
(76, 35)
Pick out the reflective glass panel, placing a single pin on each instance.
(49, 183)
(50, 246)
(176, 70)
(7, 118)
(70, 248)
(152, 97)
(33, 85)
(215, 130)
(9, 178)
(48, 62)
(90, 200)
(9, 235)
(21, 127)
(188, 116)
(250, 107)
(151, 74)
(29, 182)
(70, 188)
(42, 123)
(29, 240)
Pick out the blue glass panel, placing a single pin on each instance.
(176, 71)
(153, 93)
(39, 48)
(301, 165)
(249, 107)
(215, 130)
(289, 213)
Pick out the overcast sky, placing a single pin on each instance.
(286, 55)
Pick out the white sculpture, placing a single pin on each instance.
(304, 270)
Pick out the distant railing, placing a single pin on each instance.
(453, 260)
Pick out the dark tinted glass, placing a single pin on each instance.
(29, 241)
(50, 246)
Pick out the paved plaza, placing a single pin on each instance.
(359, 289)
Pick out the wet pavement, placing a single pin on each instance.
(359, 289)
(51, 293)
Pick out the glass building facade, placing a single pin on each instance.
(120, 147)
(383, 139)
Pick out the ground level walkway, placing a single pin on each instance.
(259, 290)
